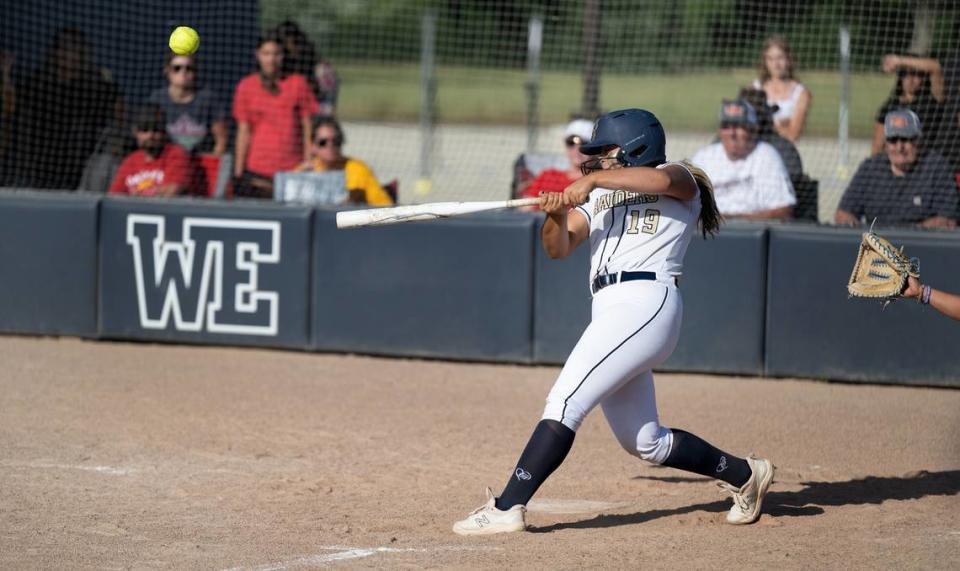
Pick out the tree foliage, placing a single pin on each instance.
(636, 35)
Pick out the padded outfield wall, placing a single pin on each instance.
(758, 300)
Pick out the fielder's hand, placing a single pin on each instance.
(913, 288)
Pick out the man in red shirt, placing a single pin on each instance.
(273, 113)
(577, 133)
(158, 167)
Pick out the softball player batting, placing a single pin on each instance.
(638, 213)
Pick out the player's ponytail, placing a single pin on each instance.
(710, 217)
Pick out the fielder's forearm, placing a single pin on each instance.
(556, 236)
(946, 303)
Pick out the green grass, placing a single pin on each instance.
(685, 102)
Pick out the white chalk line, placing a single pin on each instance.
(553, 506)
(342, 553)
(109, 470)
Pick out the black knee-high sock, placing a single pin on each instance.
(548, 446)
(693, 454)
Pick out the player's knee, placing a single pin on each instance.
(652, 443)
(568, 413)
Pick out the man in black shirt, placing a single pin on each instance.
(902, 185)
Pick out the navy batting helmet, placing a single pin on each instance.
(637, 132)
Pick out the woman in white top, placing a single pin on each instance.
(637, 213)
(782, 88)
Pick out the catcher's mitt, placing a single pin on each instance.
(881, 271)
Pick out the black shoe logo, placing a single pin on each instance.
(523, 474)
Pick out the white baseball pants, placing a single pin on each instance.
(635, 326)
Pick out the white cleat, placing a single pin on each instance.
(748, 499)
(487, 519)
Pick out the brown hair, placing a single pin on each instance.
(710, 217)
(780, 42)
(318, 121)
(271, 84)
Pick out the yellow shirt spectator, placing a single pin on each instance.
(359, 178)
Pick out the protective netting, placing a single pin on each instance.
(445, 97)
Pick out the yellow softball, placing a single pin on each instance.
(184, 41)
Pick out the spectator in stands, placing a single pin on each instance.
(115, 143)
(301, 57)
(903, 185)
(777, 80)
(577, 132)
(767, 133)
(749, 178)
(919, 87)
(327, 155)
(158, 167)
(273, 111)
(943, 101)
(61, 111)
(196, 119)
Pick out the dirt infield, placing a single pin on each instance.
(118, 456)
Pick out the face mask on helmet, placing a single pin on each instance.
(610, 159)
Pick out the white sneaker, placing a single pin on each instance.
(748, 498)
(487, 519)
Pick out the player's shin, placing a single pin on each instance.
(691, 453)
(545, 451)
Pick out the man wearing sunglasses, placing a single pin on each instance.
(327, 155)
(158, 167)
(749, 177)
(903, 185)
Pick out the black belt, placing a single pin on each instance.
(603, 280)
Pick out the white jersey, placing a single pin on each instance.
(756, 182)
(639, 232)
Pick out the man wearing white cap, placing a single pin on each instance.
(577, 133)
(902, 185)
